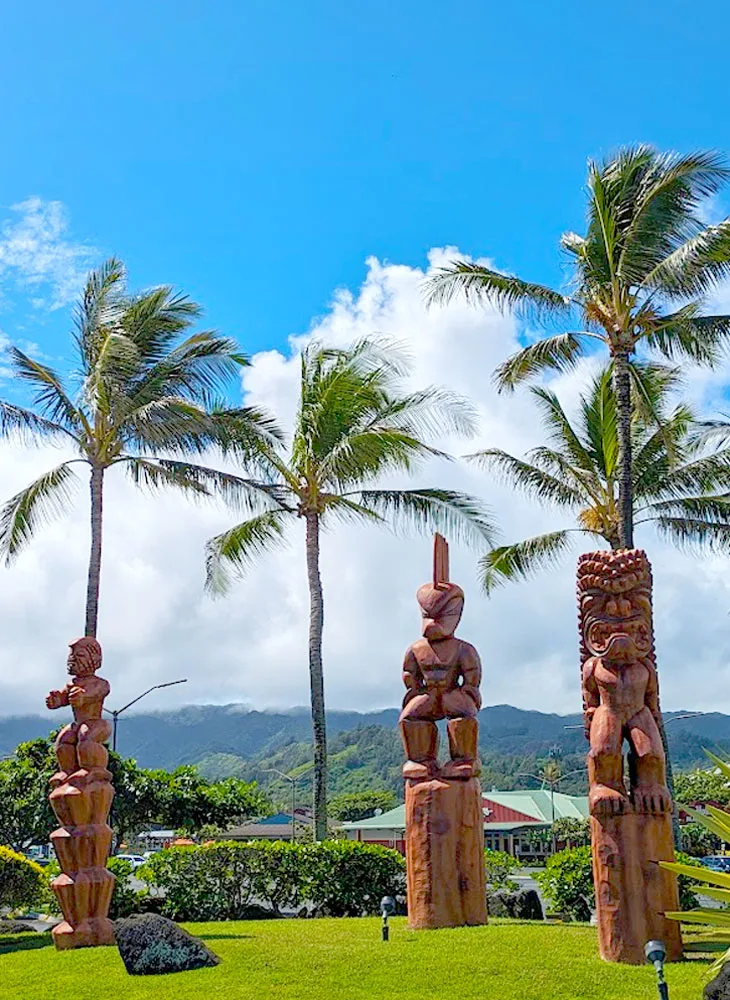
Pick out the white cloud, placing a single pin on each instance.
(157, 625)
(37, 254)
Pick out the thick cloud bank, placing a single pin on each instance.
(157, 625)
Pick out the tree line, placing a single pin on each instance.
(150, 399)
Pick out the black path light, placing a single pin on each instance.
(655, 953)
(387, 908)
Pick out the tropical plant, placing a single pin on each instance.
(716, 884)
(640, 275)
(499, 868)
(677, 484)
(355, 424)
(146, 395)
(702, 785)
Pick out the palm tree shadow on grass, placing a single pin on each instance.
(24, 942)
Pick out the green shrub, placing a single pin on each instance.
(22, 882)
(348, 879)
(125, 899)
(499, 866)
(567, 882)
(219, 881)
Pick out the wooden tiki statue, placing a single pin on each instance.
(444, 821)
(630, 806)
(81, 798)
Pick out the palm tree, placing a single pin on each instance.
(639, 276)
(355, 424)
(144, 391)
(677, 485)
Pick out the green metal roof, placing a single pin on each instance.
(536, 804)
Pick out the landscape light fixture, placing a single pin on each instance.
(387, 908)
(656, 953)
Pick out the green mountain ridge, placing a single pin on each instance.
(365, 751)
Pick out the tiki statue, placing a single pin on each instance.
(442, 676)
(620, 692)
(631, 819)
(444, 820)
(81, 799)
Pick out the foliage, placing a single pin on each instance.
(574, 832)
(348, 879)
(640, 275)
(25, 815)
(350, 807)
(697, 841)
(677, 484)
(182, 798)
(702, 785)
(716, 884)
(22, 882)
(356, 424)
(499, 867)
(220, 881)
(148, 392)
(567, 882)
(125, 899)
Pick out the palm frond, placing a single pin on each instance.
(456, 515)
(559, 353)
(522, 559)
(695, 267)
(230, 554)
(28, 426)
(477, 283)
(154, 319)
(694, 533)
(240, 493)
(99, 310)
(560, 428)
(685, 334)
(532, 480)
(45, 499)
(49, 393)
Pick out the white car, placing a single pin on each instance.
(135, 860)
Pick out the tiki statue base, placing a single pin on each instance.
(445, 853)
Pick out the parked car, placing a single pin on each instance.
(135, 860)
(716, 863)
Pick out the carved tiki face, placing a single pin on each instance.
(84, 657)
(441, 607)
(614, 599)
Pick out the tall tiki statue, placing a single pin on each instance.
(81, 798)
(630, 806)
(444, 821)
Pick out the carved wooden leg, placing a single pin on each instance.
(420, 742)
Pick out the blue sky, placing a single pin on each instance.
(255, 154)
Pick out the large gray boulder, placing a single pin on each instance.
(150, 945)
(719, 988)
(521, 905)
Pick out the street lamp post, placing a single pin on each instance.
(293, 782)
(553, 782)
(115, 713)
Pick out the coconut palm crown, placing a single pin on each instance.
(639, 276)
(355, 424)
(678, 485)
(146, 394)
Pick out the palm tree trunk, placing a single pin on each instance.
(316, 678)
(622, 389)
(92, 589)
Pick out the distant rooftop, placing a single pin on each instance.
(534, 804)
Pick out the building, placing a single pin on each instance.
(277, 827)
(516, 822)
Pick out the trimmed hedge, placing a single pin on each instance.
(227, 880)
(22, 882)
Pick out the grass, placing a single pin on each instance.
(346, 960)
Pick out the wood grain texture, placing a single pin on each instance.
(445, 854)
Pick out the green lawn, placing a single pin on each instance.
(346, 960)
